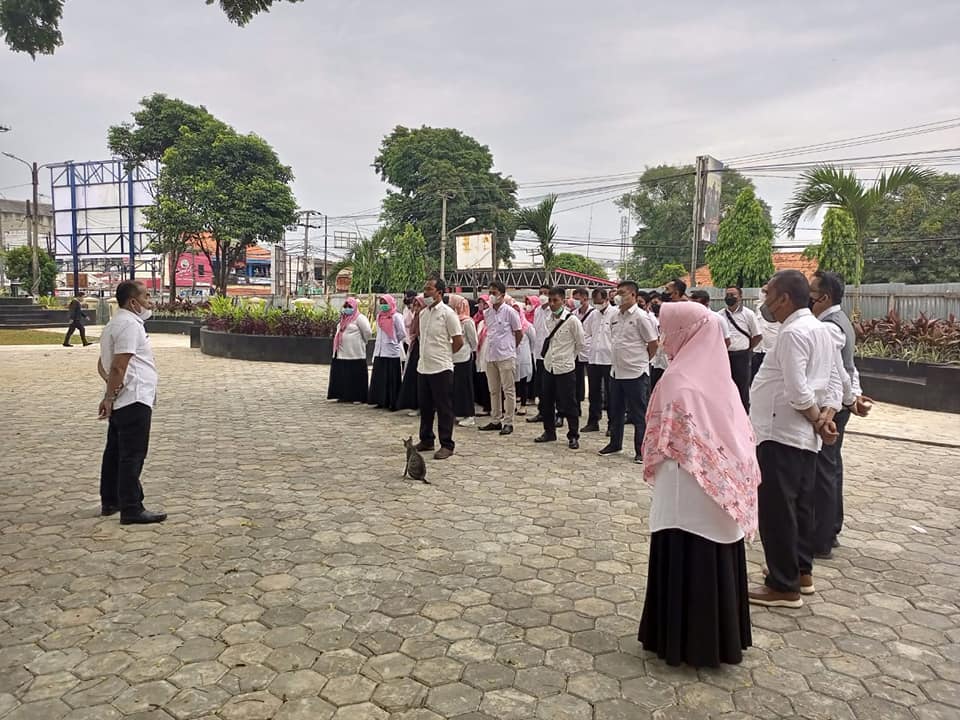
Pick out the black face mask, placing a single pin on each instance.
(811, 303)
(730, 300)
(656, 309)
(665, 298)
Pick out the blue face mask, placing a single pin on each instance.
(346, 311)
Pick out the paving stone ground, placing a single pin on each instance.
(300, 577)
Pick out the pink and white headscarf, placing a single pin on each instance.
(385, 317)
(345, 322)
(696, 418)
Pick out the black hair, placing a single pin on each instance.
(699, 295)
(731, 287)
(127, 290)
(581, 292)
(629, 285)
(557, 292)
(409, 294)
(438, 283)
(794, 285)
(653, 295)
(498, 286)
(599, 292)
(547, 288)
(831, 284)
(680, 285)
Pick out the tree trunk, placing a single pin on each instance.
(174, 259)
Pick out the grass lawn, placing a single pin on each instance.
(38, 337)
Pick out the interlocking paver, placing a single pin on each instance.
(295, 581)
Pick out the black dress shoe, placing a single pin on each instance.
(107, 510)
(423, 446)
(536, 418)
(828, 555)
(506, 430)
(545, 438)
(489, 427)
(590, 427)
(609, 450)
(573, 444)
(836, 542)
(144, 517)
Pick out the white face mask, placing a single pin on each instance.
(616, 300)
(543, 299)
(599, 306)
(145, 314)
(428, 300)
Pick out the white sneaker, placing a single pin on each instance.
(467, 422)
(413, 413)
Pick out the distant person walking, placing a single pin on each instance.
(77, 317)
(128, 368)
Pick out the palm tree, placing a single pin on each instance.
(538, 221)
(833, 186)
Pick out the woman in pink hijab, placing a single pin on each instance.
(408, 389)
(481, 388)
(348, 370)
(386, 378)
(463, 364)
(699, 454)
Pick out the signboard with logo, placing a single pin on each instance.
(474, 250)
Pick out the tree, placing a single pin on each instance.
(668, 272)
(33, 26)
(903, 244)
(832, 186)
(422, 165)
(19, 266)
(388, 261)
(539, 221)
(662, 207)
(229, 187)
(406, 260)
(742, 255)
(580, 264)
(837, 250)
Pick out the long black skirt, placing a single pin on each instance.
(481, 391)
(463, 397)
(348, 381)
(385, 382)
(408, 389)
(696, 610)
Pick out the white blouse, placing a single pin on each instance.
(469, 341)
(388, 347)
(354, 344)
(679, 503)
(525, 354)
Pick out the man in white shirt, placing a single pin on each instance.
(634, 339)
(541, 316)
(792, 403)
(561, 345)
(503, 338)
(583, 310)
(596, 331)
(769, 332)
(441, 335)
(826, 295)
(128, 368)
(743, 336)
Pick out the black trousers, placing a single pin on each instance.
(828, 490)
(599, 378)
(538, 379)
(655, 375)
(581, 371)
(755, 362)
(741, 374)
(558, 396)
(78, 326)
(630, 397)
(435, 396)
(128, 438)
(785, 505)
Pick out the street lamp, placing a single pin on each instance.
(35, 178)
(443, 234)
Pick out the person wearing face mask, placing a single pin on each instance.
(386, 378)
(408, 388)
(743, 332)
(659, 362)
(583, 310)
(826, 296)
(596, 330)
(463, 364)
(348, 370)
(128, 368)
(704, 500)
(561, 345)
(503, 337)
(441, 337)
(634, 340)
(793, 400)
(541, 317)
(769, 332)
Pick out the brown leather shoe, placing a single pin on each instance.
(442, 454)
(423, 446)
(806, 582)
(768, 597)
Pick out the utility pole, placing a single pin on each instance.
(3, 265)
(443, 231)
(699, 185)
(35, 177)
(326, 265)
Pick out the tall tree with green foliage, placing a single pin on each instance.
(228, 187)
(406, 260)
(422, 164)
(539, 221)
(668, 272)
(19, 266)
(837, 249)
(580, 264)
(743, 253)
(833, 186)
(33, 26)
(662, 208)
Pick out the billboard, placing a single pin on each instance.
(712, 180)
(474, 251)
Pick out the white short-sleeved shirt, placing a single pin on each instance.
(125, 335)
(354, 342)
(630, 331)
(439, 324)
(744, 318)
(470, 341)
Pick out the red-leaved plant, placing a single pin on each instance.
(925, 339)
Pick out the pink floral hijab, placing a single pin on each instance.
(345, 322)
(385, 317)
(696, 418)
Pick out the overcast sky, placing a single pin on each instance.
(557, 89)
